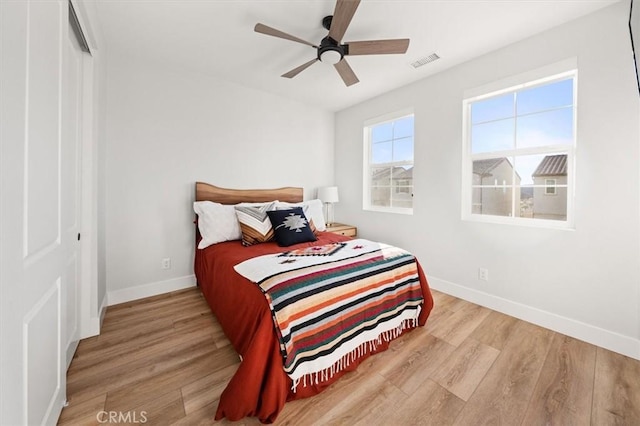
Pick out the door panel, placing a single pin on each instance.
(39, 253)
(44, 243)
(43, 366)
(42, 141)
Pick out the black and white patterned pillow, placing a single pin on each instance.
(291, 226)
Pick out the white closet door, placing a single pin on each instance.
(39, 221)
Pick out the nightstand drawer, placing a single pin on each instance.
(351, 232)
(342, 229)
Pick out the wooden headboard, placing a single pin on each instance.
(207, 192)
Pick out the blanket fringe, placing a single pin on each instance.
(344, 362)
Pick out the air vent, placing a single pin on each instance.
(424, 61)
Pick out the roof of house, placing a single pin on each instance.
(484, 167)
(404, 173)
(552, 165)
(398, 173)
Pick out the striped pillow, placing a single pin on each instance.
(255, 224)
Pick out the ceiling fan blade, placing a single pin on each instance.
(344, 11)
(345, 71)
(299, 69)
(378, 47)
(264, 29)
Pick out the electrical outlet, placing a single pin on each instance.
(166, 263)
(483, 274)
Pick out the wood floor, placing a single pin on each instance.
(166, 356)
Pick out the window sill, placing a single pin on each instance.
(518, 221)
(397, 210)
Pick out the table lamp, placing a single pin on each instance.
(328, 195)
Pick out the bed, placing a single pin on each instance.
(260, 386)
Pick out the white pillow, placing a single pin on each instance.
(313, 210)
(216, 222)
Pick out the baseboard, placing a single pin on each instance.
(71, 350)
(103, 309)
(92, 326)
(616, 342)
(152, 289)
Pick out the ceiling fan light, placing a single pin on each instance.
(331, 57)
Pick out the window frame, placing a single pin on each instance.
(536, 78)
(368, 165)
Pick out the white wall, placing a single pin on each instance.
(167, 129)
(583, 283)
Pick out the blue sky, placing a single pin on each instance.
(393, 141)
(533, 117)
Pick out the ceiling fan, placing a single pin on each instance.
(331, 51)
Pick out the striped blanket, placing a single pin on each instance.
(333, 303)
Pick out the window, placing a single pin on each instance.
(519, 149)
(549, 187)
(388, 163)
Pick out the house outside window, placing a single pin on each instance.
(518, 153)
(388, 163)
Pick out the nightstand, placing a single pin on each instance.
(342, 229)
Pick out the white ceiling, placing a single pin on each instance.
(216, 37)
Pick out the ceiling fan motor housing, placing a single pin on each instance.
(330, 51)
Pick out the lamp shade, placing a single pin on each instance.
(328, 194)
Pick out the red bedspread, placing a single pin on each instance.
(260, 386)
